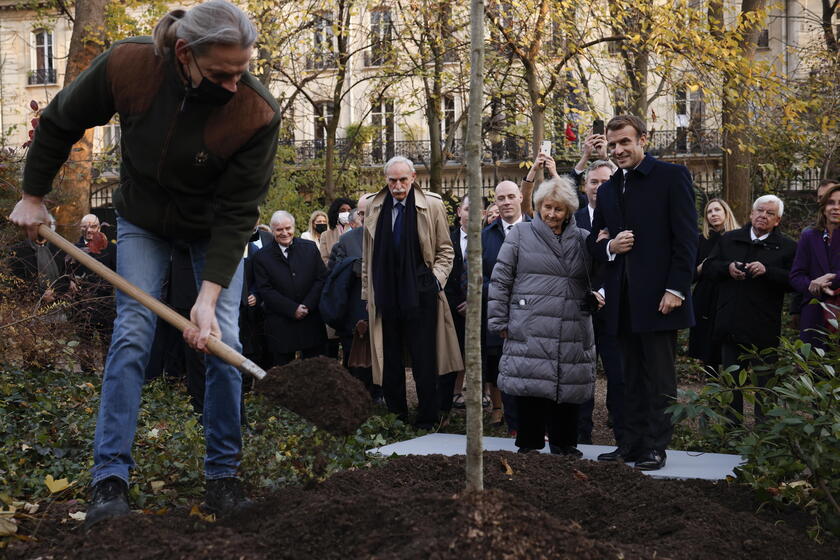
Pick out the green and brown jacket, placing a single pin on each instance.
(189, 170)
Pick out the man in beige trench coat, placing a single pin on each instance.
(406, 261)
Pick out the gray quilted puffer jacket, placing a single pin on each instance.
(537, 293)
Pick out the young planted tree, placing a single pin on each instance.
(474, 460)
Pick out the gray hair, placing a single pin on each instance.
(215, 22)
(354, 216)
(398, 159)
(281, 215)
(560, 189)
(770, 198)
(598, 164)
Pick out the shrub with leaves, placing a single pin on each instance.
(47, 421)
(793, 453)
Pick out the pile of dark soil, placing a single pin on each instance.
(320, 390)
(536, 506)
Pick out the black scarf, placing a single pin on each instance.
(395, 268)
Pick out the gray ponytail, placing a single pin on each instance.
(211, 23)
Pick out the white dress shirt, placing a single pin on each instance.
(463, 243)
(506, 227)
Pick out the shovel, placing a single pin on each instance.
(214, 345)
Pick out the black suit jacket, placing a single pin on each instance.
(455, 292)
(284, 284)
(348, 245)
(750, 311)
(658, 206)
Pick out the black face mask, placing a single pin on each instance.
(207, 92)
(320, 228)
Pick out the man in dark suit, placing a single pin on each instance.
(752, 265)
(456, 296)
(95, 303)
(251, 317)
(509, 202)
(350, 246)
(290, 274)
(606, 344)
(647, 209)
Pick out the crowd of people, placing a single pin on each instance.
(604, 270)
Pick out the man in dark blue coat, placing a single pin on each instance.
(290, 274)
(509, 202)
(645, 226)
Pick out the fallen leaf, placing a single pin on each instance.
(196, 512)
(78, 516)
(7, 527)
(57, 485)
(579, 475)
(506, 465)
(157, 486)
(31, 508)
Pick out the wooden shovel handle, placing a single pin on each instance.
(214, 345)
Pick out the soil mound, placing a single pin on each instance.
(536, 506)
(320, 390)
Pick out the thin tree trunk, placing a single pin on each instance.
(538, 129)
(475, 460)
(86, 43)
(737, 188)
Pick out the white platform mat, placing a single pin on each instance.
(680, 464)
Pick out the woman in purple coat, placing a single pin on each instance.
(815, 269)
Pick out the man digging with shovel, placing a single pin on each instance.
(199, 135)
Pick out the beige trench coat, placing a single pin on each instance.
(436, 249)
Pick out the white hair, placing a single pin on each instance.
(770, 198)
(398, 159)
(560, 189)
(281, 215)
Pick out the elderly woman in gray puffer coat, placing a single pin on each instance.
(540, 302)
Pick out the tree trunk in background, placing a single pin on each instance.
(475, 459)
(74, 188)
(537, 98)
(737, 188)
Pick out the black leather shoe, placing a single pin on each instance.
(619, 454)
(569, 450)
(110, 499)
(651, 461)
(524, 450)
(224, 496)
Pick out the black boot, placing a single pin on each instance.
(569, 450)
(224, 496)
(110, 499)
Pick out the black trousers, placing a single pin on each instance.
(731, 356)
(283, 358)
(608, 350)
(415, 333)
(492, 357)
(538, 416)
(650, 386)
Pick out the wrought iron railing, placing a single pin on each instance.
(42, 76)
(501, 148)
(703, 141)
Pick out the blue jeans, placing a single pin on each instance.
(143, 259)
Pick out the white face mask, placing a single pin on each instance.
(343, 218)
